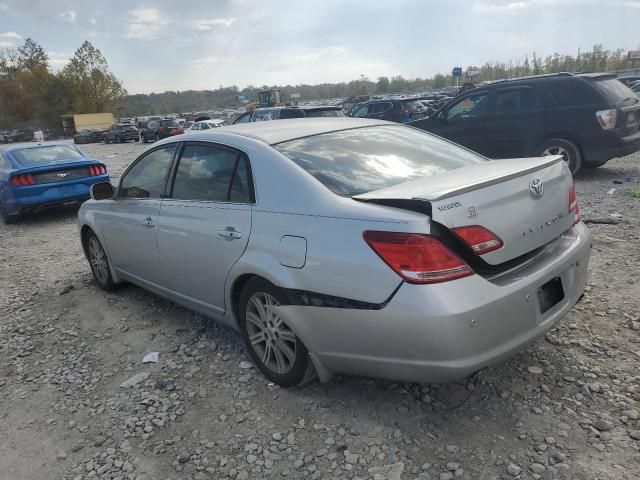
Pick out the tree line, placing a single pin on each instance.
(31, 94)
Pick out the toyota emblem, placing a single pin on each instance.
(536, 188)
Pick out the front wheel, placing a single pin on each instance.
(99, 263)
(274, 347)
(567, 149)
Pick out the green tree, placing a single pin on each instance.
(31, 56)
(383, 85)
(95, 88)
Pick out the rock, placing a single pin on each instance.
(183, 457)
(635, 434)
(245, 365)
(513, 470)
(136, 379)
(446, 476)
(452, 466)
(61, 455)
(392, 471)
(298, 464)
(631, 414)
(537, 468)
(277, 436)
(351, 458)
(251, 458)
(534, 370)
(291, 439)
(602, 425)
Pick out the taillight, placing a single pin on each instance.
(23, 180)
(416, 257)
(97, 170)
(161, 129)
(479, 239)
(607, 118)
(574, 206)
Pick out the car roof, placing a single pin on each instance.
(319, 107)
(285, 130)
(23, 145)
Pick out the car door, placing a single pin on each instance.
(463, 122)
(129, 224)
(515, 117)
(380, 110)
(205, 222)
(360, 111)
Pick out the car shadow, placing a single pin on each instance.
(66, 214)
(609, 172)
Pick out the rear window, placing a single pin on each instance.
(286, 113)
(351, 162)
(325, 113)
(169, 123)
(49, 154)
(613, 90)
(573, 92)
(413, 106)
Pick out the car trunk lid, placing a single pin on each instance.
(522, 201)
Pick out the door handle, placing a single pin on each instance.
(148, 222)
(229, 233)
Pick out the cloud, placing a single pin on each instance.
(3, 7)
(210, 23)
(69, 16)
(10, 35)
(58, 60)
(203, 62)
(7, 44)
(145, 23)
(313, 54)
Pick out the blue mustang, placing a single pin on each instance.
(42, 175)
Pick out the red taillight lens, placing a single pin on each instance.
(607, 118)
(161, 129)
(574, 206)
(416, 257)
(479, 239)
(23, 180)
(97, 170)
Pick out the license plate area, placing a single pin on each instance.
(550, 294)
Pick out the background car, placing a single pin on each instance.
(121, 133)
(588, 119)
(285, 113)
(322, 111)
(155, 130)
(90, 135)
(214, 222)
(34, 177)
(204, 125)
(404, 110)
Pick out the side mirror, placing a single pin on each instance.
(102, 191)
(442, 116)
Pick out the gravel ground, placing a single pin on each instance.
(567, 407)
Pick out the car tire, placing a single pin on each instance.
(143, 139)
(98, 262)
(276, 350)
(597, 164)
(157, 137)
(566, 148)
(6, 218)
(106, 139)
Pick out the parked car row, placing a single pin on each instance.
(283, 113)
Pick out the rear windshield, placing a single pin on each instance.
(351, 162)
(49, 154)
(325, 113)
(614, 90)
(169, 123)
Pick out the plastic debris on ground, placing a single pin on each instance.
(151, 357)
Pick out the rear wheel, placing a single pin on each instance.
(274, 347)
(106, 139)
(6, 218)
(99, 263)
(157, 137)
(559, 146)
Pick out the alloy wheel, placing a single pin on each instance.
(557, 150)
(98, 260)
(272, 340)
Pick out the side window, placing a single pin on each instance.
(204, 126)
(204, 173)
(472, 106)
(362, 111)
(3, 161)
(244, 118)
(568, 92)
(263, 115)
(147, 177)
(196, 127)
(511, 102)
(375, 108)
(240, 185)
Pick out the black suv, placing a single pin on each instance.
(586, 118)
(394, 110)
(121, 132)
(158, 129)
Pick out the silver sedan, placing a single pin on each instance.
(346, 246)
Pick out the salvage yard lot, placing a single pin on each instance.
(567, 407)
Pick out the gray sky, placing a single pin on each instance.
(201, 44)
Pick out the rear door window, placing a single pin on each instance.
(208, 173)
(264, 115)
(147, 177)
(473, 106)
(515, 101)
(290, 113)
(361, 111)
(244, 118)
